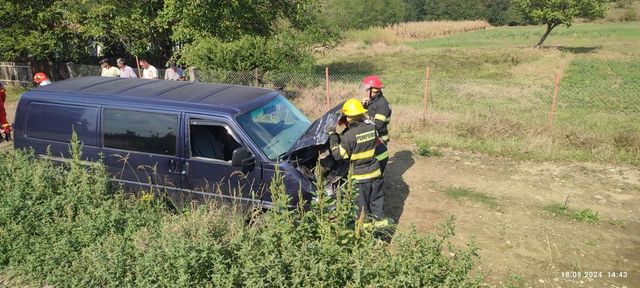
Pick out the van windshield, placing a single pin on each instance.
(275, 126)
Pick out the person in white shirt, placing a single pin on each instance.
(125, 71)
(108, 70)
(149, 71)
(174, 72)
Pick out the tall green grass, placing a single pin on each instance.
(589, 34)
(66, 226)
(490, 92)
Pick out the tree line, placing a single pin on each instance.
(358, 14)
(238, 35)
(260, 32)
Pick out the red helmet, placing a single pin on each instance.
(39, 77)
(371, 82)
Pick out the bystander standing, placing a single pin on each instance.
(149, 71)
(174, 72)
(107, 69)
(125, 70)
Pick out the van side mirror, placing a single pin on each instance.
(241, 158)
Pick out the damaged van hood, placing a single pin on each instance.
(316, 134)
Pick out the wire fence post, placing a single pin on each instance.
(326, 76)
(139, 70)
(554, 103)
(255, 74)
(426, 93)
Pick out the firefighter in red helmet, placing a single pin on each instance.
(379, 113)
(377, 106)
(41, 79)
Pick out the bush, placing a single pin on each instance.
(424, 149)
(283, 52)
(630, 15)
(66, 227)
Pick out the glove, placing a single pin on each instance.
(334, 140)
(365, 102)
(331, 130)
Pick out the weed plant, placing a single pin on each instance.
(586, 215)
(66, 226)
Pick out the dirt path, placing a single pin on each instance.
(518, 237)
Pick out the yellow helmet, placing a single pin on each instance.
(353, 107)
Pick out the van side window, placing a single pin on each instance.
(212, 141)
(140, 131)
(56, 122)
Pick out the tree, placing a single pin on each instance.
(454, 10)
(36, 30)
(119, 27)
(554, 13)
(191, 20)
(362, 14)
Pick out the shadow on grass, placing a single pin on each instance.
(578, 50)
(396, 189)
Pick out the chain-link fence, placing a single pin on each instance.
(586, 115)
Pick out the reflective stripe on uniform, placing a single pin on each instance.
(343, 152)
(382, 156)
(375, 174)
(363, 155)
(367, 136)
(382, 118)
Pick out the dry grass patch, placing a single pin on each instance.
(388, 40)
(432, 29)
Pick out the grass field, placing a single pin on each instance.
(491, 92)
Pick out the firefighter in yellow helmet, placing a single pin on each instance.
(358, 146)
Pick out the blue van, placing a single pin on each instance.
(192, 140)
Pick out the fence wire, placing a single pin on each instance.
(486, 107)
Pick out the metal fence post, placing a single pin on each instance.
(193, 74)
(139, 70)
(426, 93)
(71, 69)
(255, 74)
(554, 102)
(326, 76)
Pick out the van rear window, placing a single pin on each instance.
(56, 122)
(140, 131)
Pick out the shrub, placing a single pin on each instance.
(630, 14)
(65, 226)
(424, 149)
(283, 52)
(585, 215)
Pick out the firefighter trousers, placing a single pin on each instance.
(371, 197)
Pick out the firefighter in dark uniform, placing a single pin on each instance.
(379, 113)
(358, 145)
(377, 106)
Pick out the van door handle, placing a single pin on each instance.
(185, 168)
(172, 166)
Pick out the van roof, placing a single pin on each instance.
(204, 95)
